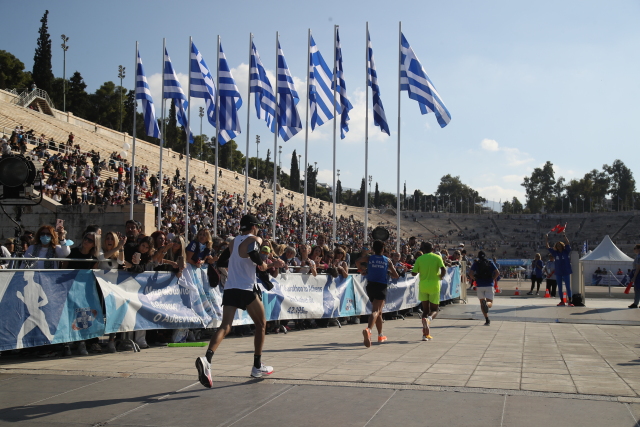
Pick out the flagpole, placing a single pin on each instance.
(164, 49)
(188, 130)
(217, 117)
(132, 172)
(306, 143)
(246, 157)
(275, 151)
(335, 119)
(398, 178)
(366, 135)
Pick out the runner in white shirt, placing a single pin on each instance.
(241, 292)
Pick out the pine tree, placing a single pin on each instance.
(171, 139)
(77, 97)
(267, 166)
(42, 71)
(363, 192)
(376, 197)
(311, 185)
(338, 192)
(295, 173)
(404, 197)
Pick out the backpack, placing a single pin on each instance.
(577, 301)
(484, 270)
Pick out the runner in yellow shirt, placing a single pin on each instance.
(431, 269)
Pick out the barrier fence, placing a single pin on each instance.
(40, 307)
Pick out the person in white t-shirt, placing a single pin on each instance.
(50, 243)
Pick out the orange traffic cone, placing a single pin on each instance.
(628, 288)
(498, 291)
(564, 297)
(546, 294)
(517, 291)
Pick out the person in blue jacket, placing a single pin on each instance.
(562, 254)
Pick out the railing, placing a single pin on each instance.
(25, 96)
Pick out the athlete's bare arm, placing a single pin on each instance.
(392, 271)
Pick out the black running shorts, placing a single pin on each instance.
(376, 291)
(238, 298)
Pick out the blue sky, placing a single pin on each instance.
(525, 82)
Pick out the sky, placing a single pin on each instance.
(525, 82)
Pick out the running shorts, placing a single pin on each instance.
(238, 298)
(376, 291)
(430, 293)
(487, 292)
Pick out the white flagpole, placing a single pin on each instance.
(164, 49)
(366, 135)
(217, 116)
(398, 178)
(246, 157)
(275, 152)
(306, 143)
(335, 119)
(132, 171)
(188, 131)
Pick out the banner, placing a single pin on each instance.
(48, 307)
(609, 279)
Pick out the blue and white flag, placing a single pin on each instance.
(229, 101)
(173, 90)
(320, 92)
(341, 90)
(379, 118)
(261, 86)
(143, 93)
(288, 117)
(414, 79)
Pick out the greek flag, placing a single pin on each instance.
(173, 90)
(288, 117)
(202, 86)
(320, 92)
(379, 118)
(259, 85)
(230, 100)
(144, 94)
(414, 79)
(341, 90)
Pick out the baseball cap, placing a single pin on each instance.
(247, 221)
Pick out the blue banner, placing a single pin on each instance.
(48, 307)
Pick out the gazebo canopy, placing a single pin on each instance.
(607, 251)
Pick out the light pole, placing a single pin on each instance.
(315, 179)
(121, 76)
(201, 114)
(257, 157)
(65, 48)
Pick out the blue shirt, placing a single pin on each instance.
(200, 250)
(563, 260)
(537, 268)
(483, 282)
(377, 268)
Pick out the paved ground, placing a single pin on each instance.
(515, 373)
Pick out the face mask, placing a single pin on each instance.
(45, 240)
(202, 246)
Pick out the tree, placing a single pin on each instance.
(339, 192)
(42, 72)
(362, 193)
(268, 165)
(104, 106)
(56, 92)
(453, 186)
(171, 131)
(295, 173)
(12, 74)
(417, 199)
(77, 97)
(376, 197)
(539, 188)
(622, 184)
(313, 182)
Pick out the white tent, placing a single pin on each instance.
(606, 255)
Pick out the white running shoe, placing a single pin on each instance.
(204, 372)
(264, 370)
(426, 338)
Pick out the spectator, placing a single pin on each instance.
(50, 244)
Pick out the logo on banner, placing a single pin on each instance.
(84, 318)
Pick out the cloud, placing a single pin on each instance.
(489, 144)
(512, 156)
(513, 178)
(497, 193)
(325, 176)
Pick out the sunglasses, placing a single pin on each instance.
(89, 240)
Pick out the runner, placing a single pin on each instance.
(241, 292)
(378, 266)
(484, 272)
(431, 269)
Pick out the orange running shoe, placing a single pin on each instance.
(367, 337)
(382, 338)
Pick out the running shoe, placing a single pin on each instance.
(429, 337)
(425, 338)
(204, 372)
(111, 347)
(82, 349)
(530, 293)
(487, 322)
(367, 337)
(382, 338)
(561, 304)
(634, 305)
(260, 372)
(571, 305)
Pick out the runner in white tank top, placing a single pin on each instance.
(240, 293)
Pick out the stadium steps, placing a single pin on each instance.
(584, 220)
(495, 224)
(622, 227)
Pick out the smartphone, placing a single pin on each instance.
(59, 223)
